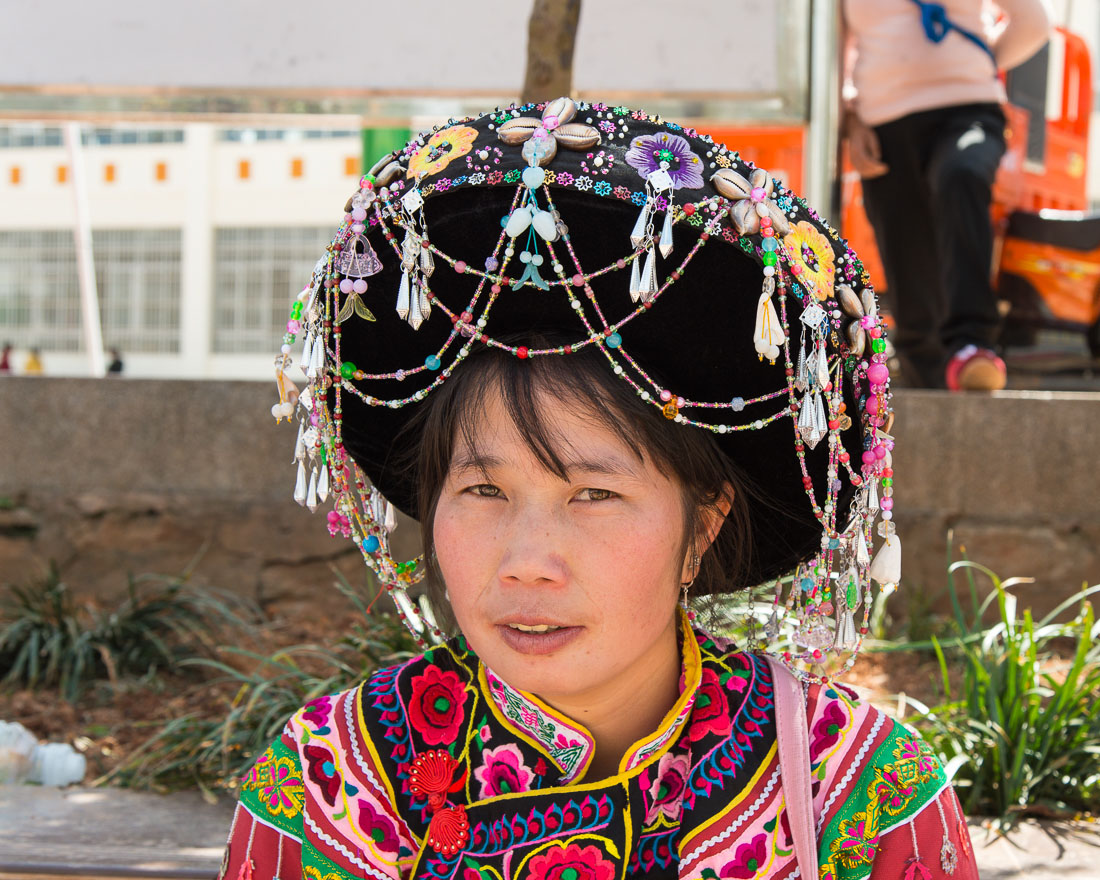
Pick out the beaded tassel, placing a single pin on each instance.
(665, 244)
(311, 495)
(768, 332)
(300, 483)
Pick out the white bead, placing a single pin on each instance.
(769, 271)
(284, 348)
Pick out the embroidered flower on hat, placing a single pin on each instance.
(441, 149)
(648, 152)
(812, 258)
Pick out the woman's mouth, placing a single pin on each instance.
(537, 638)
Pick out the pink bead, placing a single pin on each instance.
(346, 285)
(578, 280)
(293, 326)
(666, 395)
(495, 288)
(620, 264)
(796, 269)
(550, 122)
(868, 457)
(540, 133)
(872, 404)
(758, 194)
(360, 285)
(680, 401)
(875, 332)
(886, 503)
(359, 215)
(879, 374)
(880, 452)
(460, 266)
(868, 321)
(348, 218)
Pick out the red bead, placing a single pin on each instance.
(705, 236)
(689, 209)
(833, 424)
(765, 222)
(578, 280)
(521, 352)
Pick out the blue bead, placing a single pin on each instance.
(371, 544)
(504, 220)
(738, 404)
(432, 362)
(768, 244)
(833, 543)
(614, 340)
(807, 584)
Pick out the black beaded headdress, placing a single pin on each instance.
(717, 294)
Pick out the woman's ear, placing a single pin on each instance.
(713, 517)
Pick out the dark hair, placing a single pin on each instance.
(689, 456)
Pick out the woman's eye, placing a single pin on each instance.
(596, 494)
(485, 490)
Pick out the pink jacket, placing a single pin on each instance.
(893, 69)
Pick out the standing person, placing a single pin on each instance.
(32, 366)
(606, 389)
(114, 368)
(925, 131)
(5, 360)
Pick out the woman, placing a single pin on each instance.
(925, 131)
(577, 489)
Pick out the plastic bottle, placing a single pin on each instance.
(56, 764)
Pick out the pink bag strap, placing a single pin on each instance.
(793, 739)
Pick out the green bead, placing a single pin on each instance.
(878, 346)
(889, 481)
(347, 369)
(770, 258)
(296, 311)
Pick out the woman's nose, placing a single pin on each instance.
(533, 553)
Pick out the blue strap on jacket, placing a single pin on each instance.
(937, 26)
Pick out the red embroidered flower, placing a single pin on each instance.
(748, 860)
(322, 770)
(378, 827)
(827, 730)
(317, 711)
(436, 708)
(667, 791)
(711, 712)
(503, 771)
(571, 862)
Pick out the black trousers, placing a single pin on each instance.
(930, 214)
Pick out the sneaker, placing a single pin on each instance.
(975, 369)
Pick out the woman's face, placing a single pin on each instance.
(565, 588)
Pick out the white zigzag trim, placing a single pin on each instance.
(856, 766)
(349, 719)
(344, 851)
(741, 820)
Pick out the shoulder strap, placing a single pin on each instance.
(793, 739)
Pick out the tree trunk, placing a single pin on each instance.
(551, 37)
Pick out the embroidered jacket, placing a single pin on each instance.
(437, 769)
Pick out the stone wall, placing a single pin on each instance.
(107, 477)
